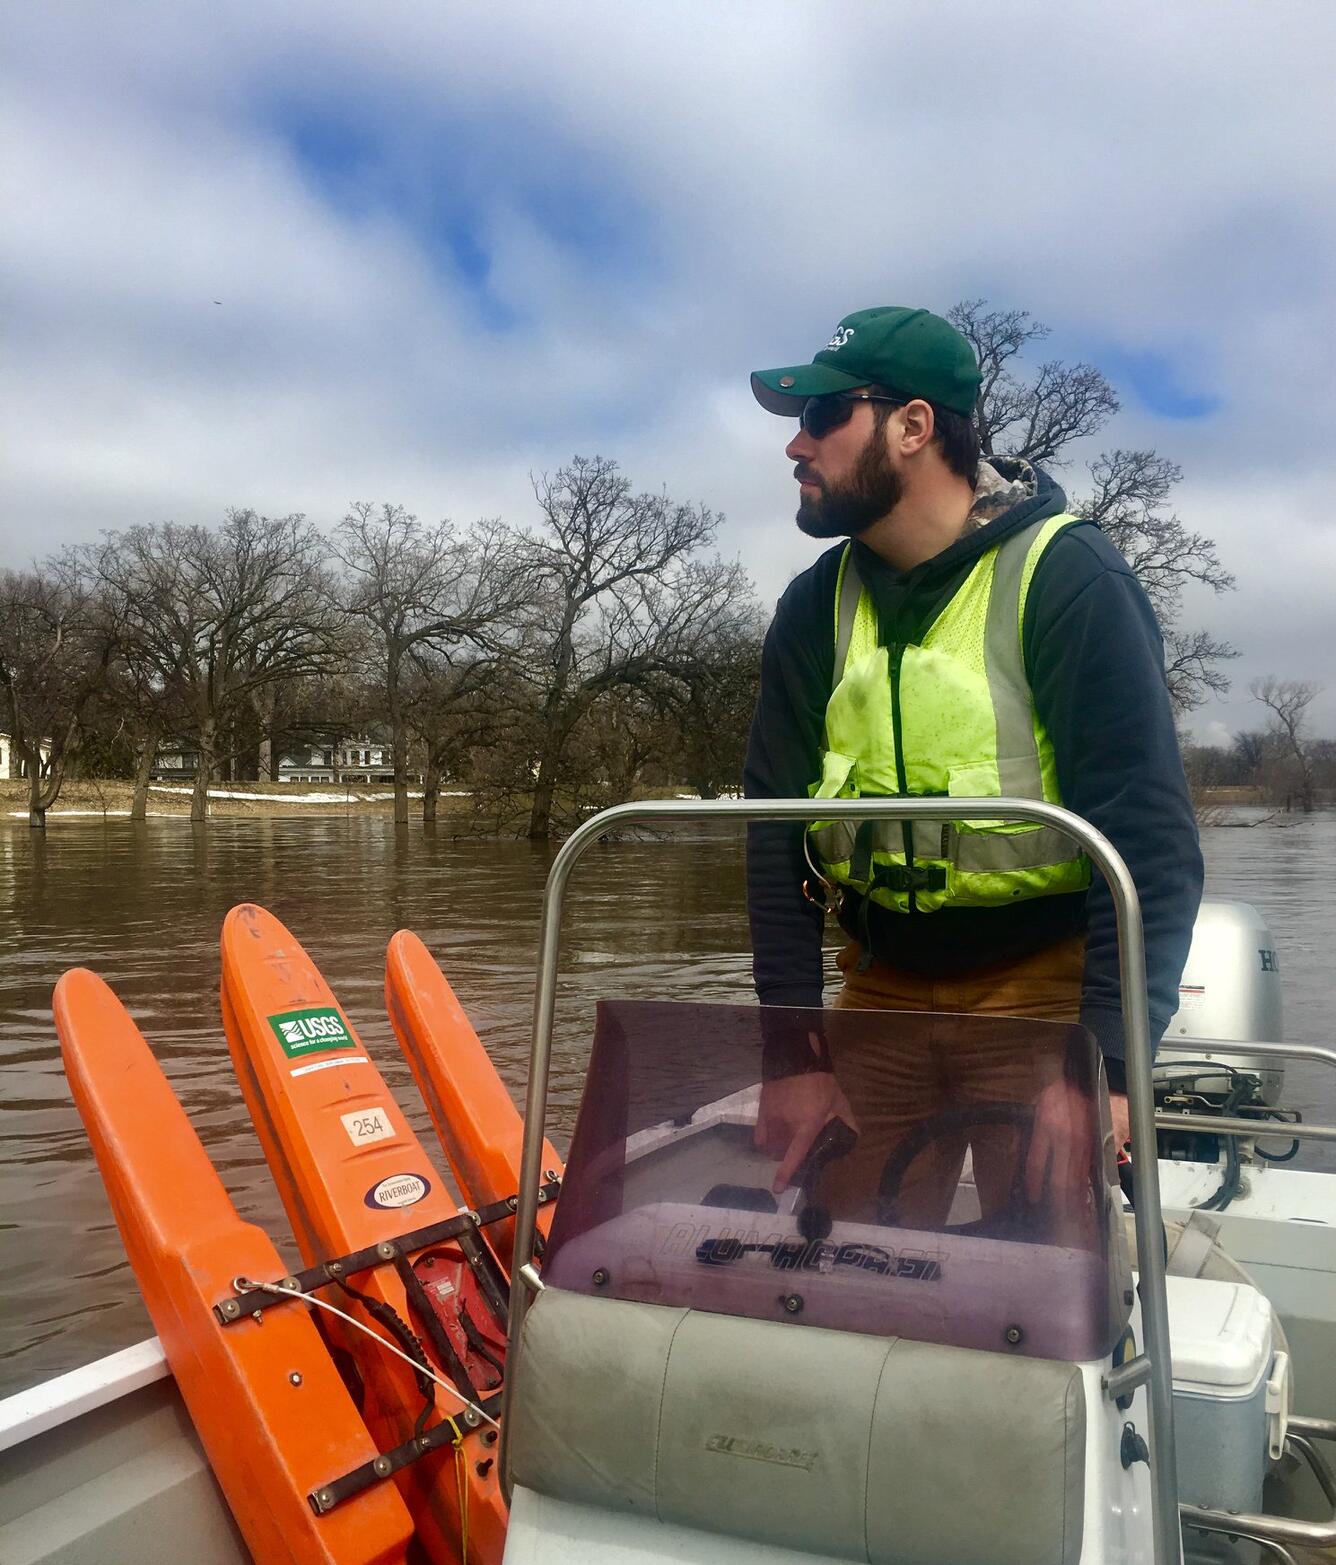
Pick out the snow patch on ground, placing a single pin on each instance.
(301, 798)
(156, 815)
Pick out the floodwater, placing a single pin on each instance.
(142, 905)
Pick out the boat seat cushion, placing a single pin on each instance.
(863, 1448)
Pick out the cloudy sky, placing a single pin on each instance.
(291, 256)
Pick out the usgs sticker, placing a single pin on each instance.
(312, 1031)
(398, 1190)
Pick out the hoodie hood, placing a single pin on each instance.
(1001, 484)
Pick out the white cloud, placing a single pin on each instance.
(1147, 177)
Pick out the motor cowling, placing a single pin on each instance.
(1230, 990)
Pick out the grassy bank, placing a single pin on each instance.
(90, 797)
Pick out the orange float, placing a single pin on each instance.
(353, 1176)
(272, 1413)
(479, 1128)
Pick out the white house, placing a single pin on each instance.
(11, 767)
(359, 759)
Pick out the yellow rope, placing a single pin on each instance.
(462, 1480)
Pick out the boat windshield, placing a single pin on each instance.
(972, 1202)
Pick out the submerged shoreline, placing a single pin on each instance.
(91, 798)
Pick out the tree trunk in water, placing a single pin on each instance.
(199, 800)
(398, 734)
(148, 751)
(540, 816)
(431, 788)
(400, 776)
(41, 792)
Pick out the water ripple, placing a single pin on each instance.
(142, 905)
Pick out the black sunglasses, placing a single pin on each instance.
(822, 414)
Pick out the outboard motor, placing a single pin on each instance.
(1230, 991)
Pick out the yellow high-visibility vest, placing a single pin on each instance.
(951, 716)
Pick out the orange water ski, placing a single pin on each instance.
(353, 1174)
(479, 1129)
(271, 1411)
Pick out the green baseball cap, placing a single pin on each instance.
(909, 351)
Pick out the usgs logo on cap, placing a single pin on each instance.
(842, 335)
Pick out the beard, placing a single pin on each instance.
(844, 510)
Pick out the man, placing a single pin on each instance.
(964, 636)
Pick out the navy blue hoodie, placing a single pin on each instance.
(1095, 662)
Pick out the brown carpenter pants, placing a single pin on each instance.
(897, 1085)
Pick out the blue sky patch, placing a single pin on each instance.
(1155, 382)
(445, 181)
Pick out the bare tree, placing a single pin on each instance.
(216, 615)
(1037, 418)
(710, 703)
(1250, 751)
(1288, 701)
(57, 642)
(138, 712)
(1191, 667)
(446, 702)
(618, 599)
(417, 587)
(1130, 490)
(1032, 419)
(1322, 756)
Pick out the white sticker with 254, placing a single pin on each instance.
(367, 1125)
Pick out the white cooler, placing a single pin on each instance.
(1229, 1391)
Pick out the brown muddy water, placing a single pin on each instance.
(142, 905)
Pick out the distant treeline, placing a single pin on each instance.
(1278, 767)
(545, 669)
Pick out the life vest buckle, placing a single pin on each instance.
(909, 877)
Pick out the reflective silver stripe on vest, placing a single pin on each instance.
(1018, 770)
(996, 852)
(835, 840)
(971, 852)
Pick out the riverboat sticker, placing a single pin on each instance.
(367, 1125)
(314, 1030)
(398, 1190)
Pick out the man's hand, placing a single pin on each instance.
(1060, 1148)
(793, 1112)
(1122, 1121)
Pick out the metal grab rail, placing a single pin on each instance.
(1276, 1051)
(1167, 1537)
(1205, 1047)
(1258, 1129)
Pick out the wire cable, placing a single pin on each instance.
(245, 1285)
